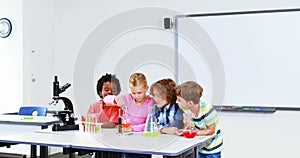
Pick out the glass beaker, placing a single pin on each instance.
(126, 123)
(188, 119)
(151, 126)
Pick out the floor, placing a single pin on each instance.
(10, 156)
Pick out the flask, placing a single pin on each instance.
(151, 127)
(188, 119)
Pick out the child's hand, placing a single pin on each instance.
(188, 125)
(119, 101)
(179, 132)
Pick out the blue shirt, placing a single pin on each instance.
(169, 116)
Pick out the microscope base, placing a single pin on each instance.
(58, 127)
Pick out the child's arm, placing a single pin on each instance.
(169, 130)
(208, 131)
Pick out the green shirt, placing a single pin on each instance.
(206, 117)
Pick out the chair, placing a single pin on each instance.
(31, 110)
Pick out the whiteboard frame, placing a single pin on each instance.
(178, 17)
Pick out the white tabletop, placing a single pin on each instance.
(109, 140)
(14, 124)
(28, 120)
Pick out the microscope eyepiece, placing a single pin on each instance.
(64, 87)
(57, 89)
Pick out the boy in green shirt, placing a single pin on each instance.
(204, 118)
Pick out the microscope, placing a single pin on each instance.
(66, 116)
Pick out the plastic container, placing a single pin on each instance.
(189, 133)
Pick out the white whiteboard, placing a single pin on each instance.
(245, 58)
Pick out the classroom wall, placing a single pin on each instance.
(80, 29)
(11, 58)
(38, 51)
(57, 41)
(250, 135)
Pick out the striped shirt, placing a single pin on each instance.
(206, 117)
